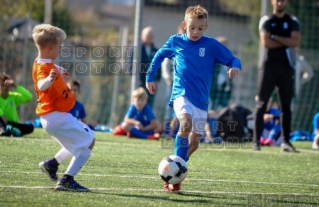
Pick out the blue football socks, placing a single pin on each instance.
(138, 133)
(181, 147)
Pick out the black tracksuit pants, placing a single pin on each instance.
(24, 128)
(274, 74)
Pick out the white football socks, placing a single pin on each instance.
(77, 162)
(62, 155)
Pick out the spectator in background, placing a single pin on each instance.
(304, 73)
(221, 88)
(9, 121)
(279, 35)
(168, 75)
(148, 51)
(78, 110)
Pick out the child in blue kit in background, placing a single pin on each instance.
(194, 58)
(140, 121)
(272, 124)
(78, 110)
(315, 132)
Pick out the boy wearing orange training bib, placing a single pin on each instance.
(55, 100)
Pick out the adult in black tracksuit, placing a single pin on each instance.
(279, 34)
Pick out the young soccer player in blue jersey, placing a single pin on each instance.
(194, 58)
(140, 121)
(78, 111)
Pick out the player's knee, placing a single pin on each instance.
(92, 144)
(185, 121)
(126, 127)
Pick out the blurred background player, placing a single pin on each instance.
(271, 125)
(78, 110)
(315, 133)
(211, 127)
(168, 75)
(140, 121)
(55, 100)
(279, 34)
(192, 81)
(9, 101)
(148, 50)
(221, 85)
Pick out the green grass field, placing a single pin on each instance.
(123, 172)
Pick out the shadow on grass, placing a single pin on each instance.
(165, 198)
(185, 197)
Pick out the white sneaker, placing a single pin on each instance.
(314, 145)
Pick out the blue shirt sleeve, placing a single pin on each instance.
(130, 112)
(150, 113)
(225, 57)
(82, 112)
(166, 51)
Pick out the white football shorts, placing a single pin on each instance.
(68, 131)
(199, 117)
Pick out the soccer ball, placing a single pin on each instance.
(172, 169)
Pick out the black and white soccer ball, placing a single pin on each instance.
(172, 169)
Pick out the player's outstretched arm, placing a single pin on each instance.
(45, 83)
(235, 67)
(225, 57)
(165, 52)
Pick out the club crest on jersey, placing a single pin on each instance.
(202, 52)
(285, 25)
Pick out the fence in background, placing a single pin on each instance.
(92, 24)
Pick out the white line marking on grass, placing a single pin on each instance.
(210, 147)
(187, 179)
(160, 190)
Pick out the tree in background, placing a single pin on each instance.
(306, 11)
(61, 16)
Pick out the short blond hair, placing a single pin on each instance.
(46, 34)
(139, 93)
(197, 12)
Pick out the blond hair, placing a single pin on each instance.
(46, 34)
(197, 12)
(139, 93)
